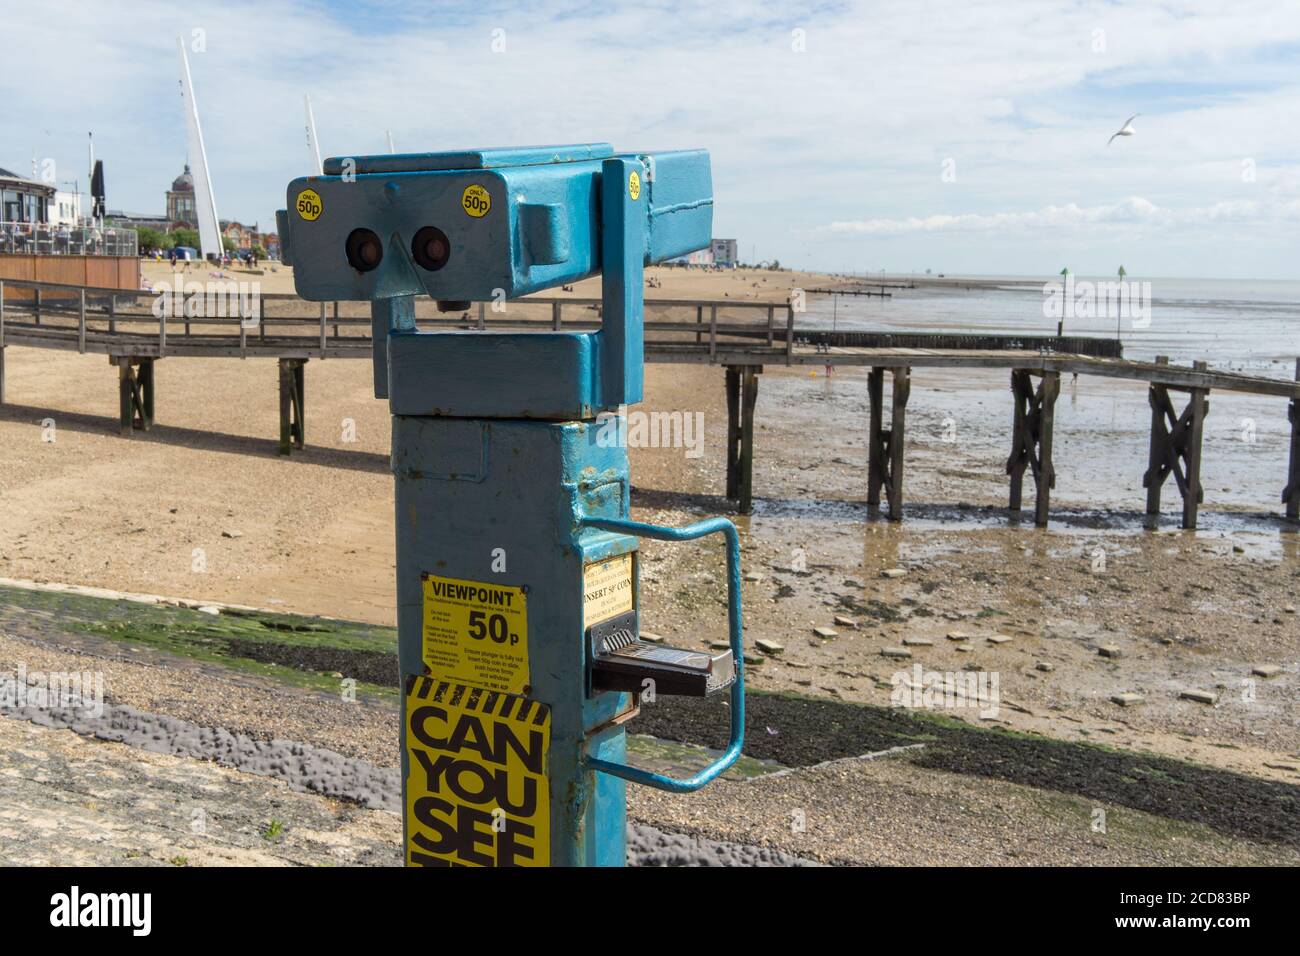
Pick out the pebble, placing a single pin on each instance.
(958, 636)
(900, 652)
(769, 647)
(1128, 700)
(1266, 670)
(652, 637)
(893, 572)
(1045, 667)
(232, 534)
(1108, 650)
(843, 621)
(826, 632)
(1199, 696)
(918, 642)
(753, 576)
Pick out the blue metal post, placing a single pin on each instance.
(518, 611)
(623, 286)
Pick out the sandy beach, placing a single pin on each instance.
(202, 507)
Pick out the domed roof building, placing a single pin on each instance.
(180, 200)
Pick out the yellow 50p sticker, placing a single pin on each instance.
(309, 205)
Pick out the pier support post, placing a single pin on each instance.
(885, 445)
(741, 397)
(1290, 494)
(1031, 439)
(292, 400)
(742, 394)
(733, 432)
(749, 389)
(135, 393)
(145, 377)
(1176, 450)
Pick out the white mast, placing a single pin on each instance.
(389, 134)
(205, 204)
(313, 147)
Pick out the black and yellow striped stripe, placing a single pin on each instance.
(491, 703)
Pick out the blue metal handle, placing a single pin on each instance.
(736, 633)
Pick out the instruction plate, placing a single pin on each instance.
(476, 632)
(607, 589)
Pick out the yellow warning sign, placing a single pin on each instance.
(476, 632)
(606, 589)
(634, 185)
(476, 785)
(309, 205)
(476, 201)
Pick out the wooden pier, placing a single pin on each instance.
(743, 337)
(878, 289)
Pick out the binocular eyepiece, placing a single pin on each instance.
(430, 249)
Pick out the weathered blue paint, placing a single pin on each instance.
(622, 291)
(503, 375)
(468, 486)
(495, 438)
(493, 158)
(539, 213)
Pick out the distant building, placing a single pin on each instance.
(23, 199)
(724, 252)
(137, 220)
(720, 252)
(181, 210)
(65, 209)
(242, 237)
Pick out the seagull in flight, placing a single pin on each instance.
(1125, 130)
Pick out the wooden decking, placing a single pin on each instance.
(114, 323)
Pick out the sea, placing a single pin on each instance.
(959, 420)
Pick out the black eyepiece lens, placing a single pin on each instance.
(431, 248)
(364, 250)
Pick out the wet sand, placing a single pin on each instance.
(203, 507)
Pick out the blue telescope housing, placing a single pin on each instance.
(492, 225)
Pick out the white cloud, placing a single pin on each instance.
(853, 130)
(1128, 212)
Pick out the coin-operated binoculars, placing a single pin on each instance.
(517, 576)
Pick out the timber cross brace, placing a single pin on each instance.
(1291, 493)
(135, 392)
(885, 445)
(742, 393)
(1031, 439)
(292, 398)
(1176, 449)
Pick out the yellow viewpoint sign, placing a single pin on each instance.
(476, 632)
(476, 788)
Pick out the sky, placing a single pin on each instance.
(904, 135)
